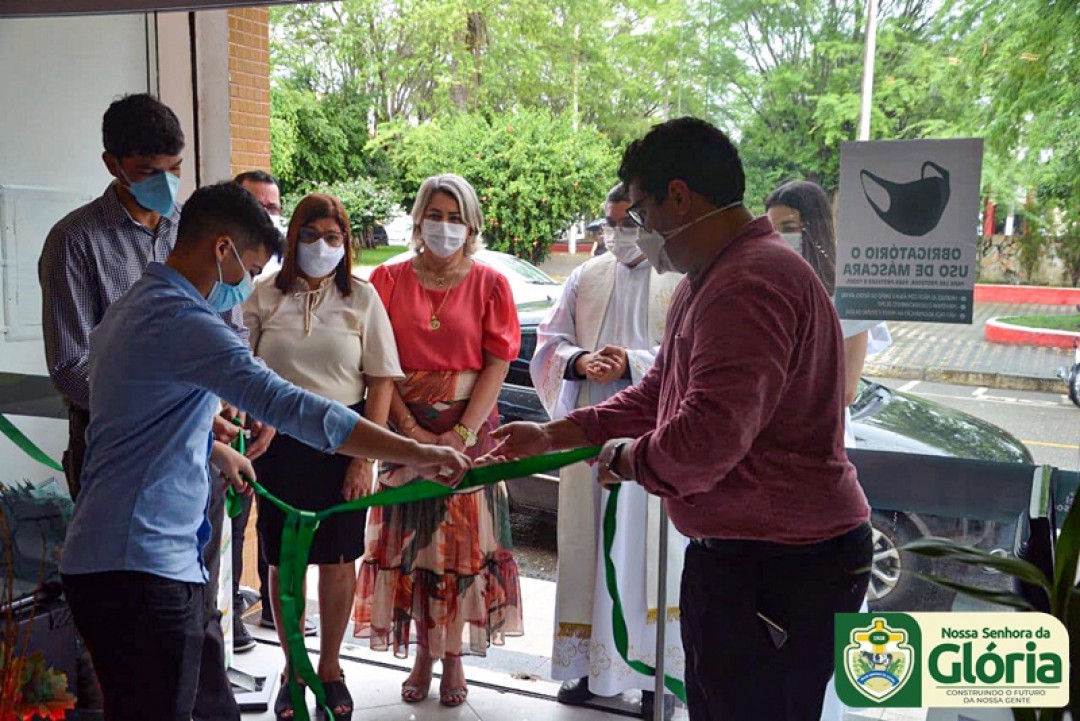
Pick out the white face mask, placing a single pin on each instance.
(279, 223)
(794, 240)
(319, 259)
(652, 243)
(623, 243)
(443, 239)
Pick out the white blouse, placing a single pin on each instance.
(322, 340)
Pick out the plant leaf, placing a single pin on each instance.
(1002, 598)
(949, 550)
(1066, 554)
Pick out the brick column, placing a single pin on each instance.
(249, 89)
(249, 117)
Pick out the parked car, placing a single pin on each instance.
(883, 420)
(532, 288)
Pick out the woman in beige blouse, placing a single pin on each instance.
(316, 325)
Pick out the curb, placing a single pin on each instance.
(997, 332)
(1026, 294)
(999, 381)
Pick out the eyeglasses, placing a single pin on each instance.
(310, 235)
(626, 223)
(637, 214)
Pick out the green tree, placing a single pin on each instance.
(533, 172)
(789, 75)
(1026, 60)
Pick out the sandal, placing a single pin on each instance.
(283, 702)
(414, 693)
(337, 696)
(453, 697)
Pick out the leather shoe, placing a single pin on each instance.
(242, 640)
(648, 705)
(574, 692)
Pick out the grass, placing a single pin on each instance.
(1069, 321)
(375, 256)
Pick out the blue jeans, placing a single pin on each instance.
(145, 635)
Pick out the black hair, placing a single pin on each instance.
(227, 208)
(256, 176)
(819, 231)
(690, 150)
(618, 194)
(141, 125)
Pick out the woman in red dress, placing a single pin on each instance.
(440, 573)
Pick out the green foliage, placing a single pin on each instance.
(897, 666)
(1067, 321)
(860, 666)
(367, 202)
(533, 172)
(320, 140)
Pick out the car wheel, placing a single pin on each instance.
(894, 585)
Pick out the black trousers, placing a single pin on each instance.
(145, 634)
(742, 667)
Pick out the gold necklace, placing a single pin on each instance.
(434, 323)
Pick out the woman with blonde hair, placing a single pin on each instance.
(440, 573)
(326, 331)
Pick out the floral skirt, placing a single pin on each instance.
(440, 573)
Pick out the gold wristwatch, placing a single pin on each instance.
(468, 437)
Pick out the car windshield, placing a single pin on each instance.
(528, 272)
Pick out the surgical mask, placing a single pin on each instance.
(225, 297)
(443, 239)
(915, 208)
(794, 240)
(622, 242)
(157, 193)
(652, 242)
(319, 258)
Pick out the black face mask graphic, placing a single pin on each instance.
(915, 208)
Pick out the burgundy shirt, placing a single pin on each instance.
(740, 422)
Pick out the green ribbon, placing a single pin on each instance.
(301, 525)
(299, 531)
(28, 447)
(618, 620)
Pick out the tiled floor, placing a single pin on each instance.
(510, 684)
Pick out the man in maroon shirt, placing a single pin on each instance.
(739, 427)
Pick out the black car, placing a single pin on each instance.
(883, 420)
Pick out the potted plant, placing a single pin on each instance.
(1052, 590)
(29, 689)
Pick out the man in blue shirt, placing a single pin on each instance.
(160, 361)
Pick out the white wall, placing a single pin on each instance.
(57, 77)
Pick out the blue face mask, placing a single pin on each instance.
(156, 193)
(225, 297)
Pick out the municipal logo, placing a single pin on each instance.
(949, 660)
(879, 659)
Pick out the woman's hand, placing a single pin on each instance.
(450, 439)
(442, 464)
(518, 440)
(231, 465)
(225, 431)
(359, 479)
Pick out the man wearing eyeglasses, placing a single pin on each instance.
(739, 428)
(600, 337)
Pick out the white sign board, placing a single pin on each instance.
(907, 230)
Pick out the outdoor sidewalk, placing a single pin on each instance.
(948, 353)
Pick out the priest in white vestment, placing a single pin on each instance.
(600, 337)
